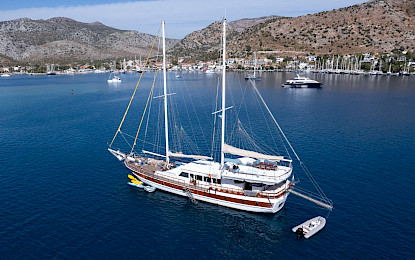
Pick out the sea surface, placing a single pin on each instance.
(64, 196)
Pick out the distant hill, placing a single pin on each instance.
(66, 40)
(205, 44)
(374, 26)
(242, 24)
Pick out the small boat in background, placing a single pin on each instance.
(115, 79)
(5, 75)
(253, 76)
(50, 70)
(310, 227)
(301, 82)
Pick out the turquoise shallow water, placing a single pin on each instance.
(64, 196)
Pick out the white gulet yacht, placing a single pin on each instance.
(249, 181)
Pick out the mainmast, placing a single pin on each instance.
(166, 126)
(222, 154)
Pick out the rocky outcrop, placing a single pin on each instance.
(63, 39)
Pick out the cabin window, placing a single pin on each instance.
(198, 177)
(207, 179)
(184, 174)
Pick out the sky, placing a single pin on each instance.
(182, 16)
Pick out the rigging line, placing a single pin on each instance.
(151, 104)
(273, 118)
(266, 119)
(132, 136)
(144, 113)
(314, 182)
(214, 119)
(288, 142)
(148, 119)
(189, 99)
(135, 90)
(238, 110)
(125, 139)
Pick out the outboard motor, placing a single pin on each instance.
(300, 233)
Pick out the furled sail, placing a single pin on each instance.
(246, 153)
(196, 157)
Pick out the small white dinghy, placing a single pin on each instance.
(149, 188)
(310, 227)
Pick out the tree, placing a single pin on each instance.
(271, 57)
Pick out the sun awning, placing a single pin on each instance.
(192, 156)
(246, 153)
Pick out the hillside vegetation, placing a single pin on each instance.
(65, 40)
(374, 26)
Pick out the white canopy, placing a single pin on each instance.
(237, 151)
(197, 157)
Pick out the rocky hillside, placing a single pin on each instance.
(205, 44)
(65, 40)
(242, 24)
(374, 26)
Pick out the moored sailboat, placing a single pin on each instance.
(246, 180)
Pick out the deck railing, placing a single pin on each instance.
(196, 185)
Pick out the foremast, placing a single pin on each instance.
(166, 126)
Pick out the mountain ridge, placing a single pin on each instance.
(374, 26)
(64, 39)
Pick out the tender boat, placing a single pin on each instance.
(301, 82)
(310, 227)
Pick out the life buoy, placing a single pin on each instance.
(153, 164)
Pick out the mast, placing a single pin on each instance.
(254, 64)
(222, 154)
(166, 127)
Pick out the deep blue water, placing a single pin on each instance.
(64, 196)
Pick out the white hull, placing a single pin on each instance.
(273, 205)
